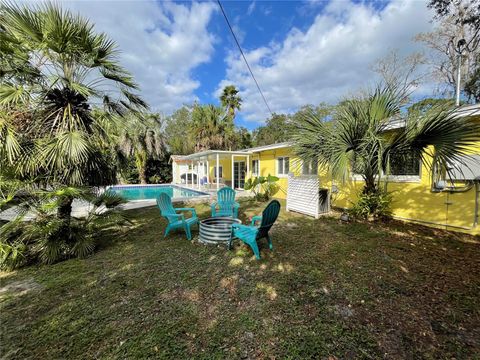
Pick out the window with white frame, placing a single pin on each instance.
(255, 167)
(405, 164)
(310, 167)
(283, 165)
(220, 171)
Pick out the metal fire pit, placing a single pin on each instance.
(216, 230)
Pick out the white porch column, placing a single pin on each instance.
(217, 164)
(233, 172)
(208, 171)
(198, 175)
(191, 172)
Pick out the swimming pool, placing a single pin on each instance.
(150, 192)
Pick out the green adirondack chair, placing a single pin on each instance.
(176, 221)
(250, 234)
(225, 204)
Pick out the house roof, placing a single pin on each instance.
(468, 110)
(399, 121)
(203, 155)
(394, 123)
(176, 158)
(269, 147)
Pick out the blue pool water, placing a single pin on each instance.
(151, 192)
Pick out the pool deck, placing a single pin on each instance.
(82, 208)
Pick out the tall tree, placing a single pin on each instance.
(55, 70)
(230, 100)
(210, 128)
(276, 129)
(180, 139)
(472, 85)
(399, 72)
(457, 34)
(142, 137)
(242, 139)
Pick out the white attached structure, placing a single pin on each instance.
(305, 196)
(198, 165)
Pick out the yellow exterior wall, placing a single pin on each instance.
(268, 165)
(227, 169)
(412, 200)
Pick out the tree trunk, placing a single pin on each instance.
(142, 175)
(370, 185)
(141, 162)
(64, 213)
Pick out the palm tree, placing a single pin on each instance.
(142, 137)
(230, 100)
(210, 128)
(359, 139)
(55, 70)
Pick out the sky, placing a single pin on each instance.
(301, 52)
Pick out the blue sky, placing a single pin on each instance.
(302, 52)
(255, 24)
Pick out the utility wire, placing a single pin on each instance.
(243, 55)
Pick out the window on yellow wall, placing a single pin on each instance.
(310, 167)
(220, 171)
(405, 164)
(255, 167)
(283, 165)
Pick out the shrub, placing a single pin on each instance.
(262, 187)
(48, 238)
(374, 205)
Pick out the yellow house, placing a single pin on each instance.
(418, 196)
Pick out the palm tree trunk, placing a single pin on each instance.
(64, 211)
(370, 185)
(142, 175)
(141, 162)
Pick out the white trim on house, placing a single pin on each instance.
(467, 110)
(269, 147)
(399, 121)
(393, 178)
(257, 173)
(205, 154)
(283, 174)
(220, 171)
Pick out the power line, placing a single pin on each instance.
(243, 55)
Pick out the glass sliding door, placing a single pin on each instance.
(239, 174)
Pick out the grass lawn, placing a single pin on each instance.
(355, 290)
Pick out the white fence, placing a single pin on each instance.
(305, 196)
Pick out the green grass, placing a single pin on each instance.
(355, 290)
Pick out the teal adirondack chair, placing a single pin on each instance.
(176, 221)
(250, 234)
(225, 204)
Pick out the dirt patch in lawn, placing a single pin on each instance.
(19, 288)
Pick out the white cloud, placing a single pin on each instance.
(161, 44)
(327, 61)
(251, 7)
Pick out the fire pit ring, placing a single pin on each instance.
(216, 230)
